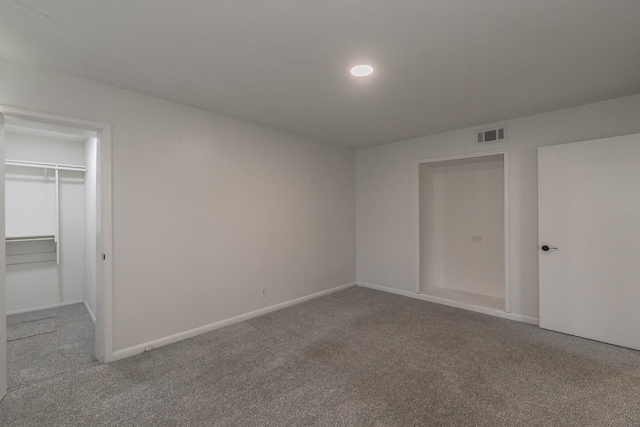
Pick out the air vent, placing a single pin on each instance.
(491, 135)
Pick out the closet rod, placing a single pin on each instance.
(53, 166)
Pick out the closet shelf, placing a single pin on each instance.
(30, 238)
(57, 168)
(34, 248)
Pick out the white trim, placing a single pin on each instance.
(104, 280)
(507, 233)
(437, 231)
(480, 153)
(507, 217)
(28, 310)
(456, 304)
(104, 267)
(417, 200)
(53, 119)
(93, 316)
(3, 271)
(140, 348)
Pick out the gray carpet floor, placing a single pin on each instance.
(356, 357)
(46, 343)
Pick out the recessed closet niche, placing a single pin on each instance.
(462, 230)
(50, 193)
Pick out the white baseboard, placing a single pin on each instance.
(140, 348)
(93, 316)
(28, 310)
(456, 304)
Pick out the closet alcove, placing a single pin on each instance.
(50, 193)
(462, 230)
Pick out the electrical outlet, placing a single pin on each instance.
(263, 292)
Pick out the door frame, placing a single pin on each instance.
(104, 269)
(507, 215)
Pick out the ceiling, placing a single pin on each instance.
(439, 64)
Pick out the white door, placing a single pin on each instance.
(589, 209)
(3, 317)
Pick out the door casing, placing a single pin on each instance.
(505, 155)
(104, 225)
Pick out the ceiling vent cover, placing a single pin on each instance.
(491, 135)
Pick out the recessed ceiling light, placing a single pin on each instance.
(362, 70)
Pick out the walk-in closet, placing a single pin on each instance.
(50, 206)
(462, 230)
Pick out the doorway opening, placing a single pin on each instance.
(57, 286)
(463, 233)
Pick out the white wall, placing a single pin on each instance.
(387, 223)
(469, 203)
(90, 197)
(33, 215)
(30, 209)
(207, 209)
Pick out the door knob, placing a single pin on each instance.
(546, 248)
